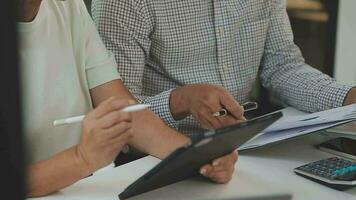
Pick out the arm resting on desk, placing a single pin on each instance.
(150, 135)
(59, 171)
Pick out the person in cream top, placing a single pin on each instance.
(66, 71)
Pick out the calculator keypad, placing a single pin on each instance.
(333, 168)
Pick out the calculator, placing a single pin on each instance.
(335, 172)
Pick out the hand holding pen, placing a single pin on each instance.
(106, 130)
(201, 101)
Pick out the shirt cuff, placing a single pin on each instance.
(160, 105)
(333, 96)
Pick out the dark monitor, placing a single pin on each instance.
(11, 149)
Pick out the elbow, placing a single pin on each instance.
(38, 191)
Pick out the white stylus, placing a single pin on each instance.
(71, 120)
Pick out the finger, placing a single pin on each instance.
(206, 170)
(114, 118)
(108, 106)
(221, 174)
(235, 156)
(242, 120)
(226, 160)
(100, 108)
(219, 169)
(119, 142)
(234, 108)
(213, 121)
(211, 108)
(202, 121)
(228, 120)
(117, 130)
(224, 166)
(221, 177)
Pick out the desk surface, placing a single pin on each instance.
(262, 171)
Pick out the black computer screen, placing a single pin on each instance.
(11, 150)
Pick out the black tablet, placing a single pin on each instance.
(185, 162)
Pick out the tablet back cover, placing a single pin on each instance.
(186, 162)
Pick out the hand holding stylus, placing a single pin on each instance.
(106, 130)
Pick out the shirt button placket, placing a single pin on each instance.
(226, 68)
(221, 41)
(222, 31)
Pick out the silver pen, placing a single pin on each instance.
(128, 109)
(248, 106)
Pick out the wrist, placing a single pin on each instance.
(82, 162)
(177, 104)
(350, 97)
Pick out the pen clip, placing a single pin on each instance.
(248, 106)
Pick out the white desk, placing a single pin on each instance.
(262, 171)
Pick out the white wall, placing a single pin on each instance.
(345, 63)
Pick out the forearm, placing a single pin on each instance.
(150, 134)
(154, 137)
(285, 73)
(305, 88)
(351, 97)
(57, 172)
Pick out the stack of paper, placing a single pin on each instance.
(289, 127)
